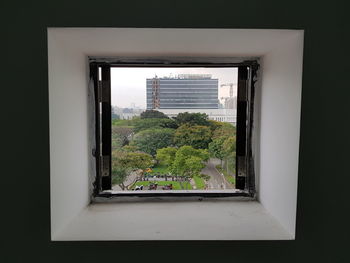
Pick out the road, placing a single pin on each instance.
(128, 181)
(216, 181)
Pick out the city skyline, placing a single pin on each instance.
(128, 85)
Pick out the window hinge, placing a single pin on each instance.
(105, 161)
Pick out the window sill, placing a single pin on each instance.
(222, 220)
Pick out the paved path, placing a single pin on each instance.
(128, 181)
(216, 181)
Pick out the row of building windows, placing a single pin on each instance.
(185, 92)
(176, 81)
(185, 106)
(223, 119)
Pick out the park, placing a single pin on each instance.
(189, 152)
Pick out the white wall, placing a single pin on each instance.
(68, 49)
(279, 129)
(69, 163)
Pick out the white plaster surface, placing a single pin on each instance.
(276, 156)
(174, 221)
(279, 129)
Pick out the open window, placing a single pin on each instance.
(185, 139)
(275, 135)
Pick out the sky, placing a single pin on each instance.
(128, 85)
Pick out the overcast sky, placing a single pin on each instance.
(129, 84)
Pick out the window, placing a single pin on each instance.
(275, 137)
(153, 150)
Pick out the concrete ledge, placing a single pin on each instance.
(231, 220)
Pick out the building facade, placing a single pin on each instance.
(223, 115)
(186, 91)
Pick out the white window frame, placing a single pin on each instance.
(272, 216)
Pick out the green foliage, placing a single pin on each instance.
(199, 181)
(153, 114)
(216, 148)
(195, 136)
(122, 134)
(194, 165)
(154, 123)
(130, 123)
(229, 146)
(229, 177)
(117, 142)
(166, 155)
(223, 145)
(215, 124)
(150, 140)
(226, 130)
(189, 161)
(160, 169)
(119, 175)
(129, 148)
(205, 177)
(131, 160)
(200, 119)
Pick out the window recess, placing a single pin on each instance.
(100, 74)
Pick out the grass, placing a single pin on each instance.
(229, 178)
(176, 185)
(161, 169)
(200, 183)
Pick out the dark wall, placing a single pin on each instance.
(323, 175)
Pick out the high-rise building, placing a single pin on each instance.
(230, 102)
(186, 91)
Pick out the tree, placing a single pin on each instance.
(119, 175)
(188, 161)
(166, 155)
(200, 119)
(149, 141)
(132, 160)
(215, 124)
(124, 133)
(225, 130)
(154, 123)
(229, 146)
(117, 142)
(123, 162)
(195, 136)
(153, 114)
(128, 123)
(129, 148)
(229, 149)
(194, 165)
(216, 148)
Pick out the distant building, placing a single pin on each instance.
(230, 103)
(126, 113)
(186, 91)
(223, 115)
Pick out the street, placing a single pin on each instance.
(216, 181)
